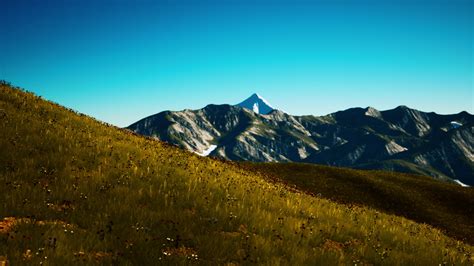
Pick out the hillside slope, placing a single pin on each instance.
(401, 139)
(75, 190)
(420, 198)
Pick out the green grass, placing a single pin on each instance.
(85, 192)
(446, 206)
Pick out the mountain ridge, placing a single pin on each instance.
(257, 104)
(399, 139)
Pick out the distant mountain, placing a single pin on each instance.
(257, 104)
(401, 139)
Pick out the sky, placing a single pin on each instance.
(120, 61)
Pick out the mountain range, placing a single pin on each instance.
(401, 139)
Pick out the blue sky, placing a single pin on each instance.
(120, 61)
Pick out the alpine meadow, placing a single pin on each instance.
(237, 132)
(75, 191)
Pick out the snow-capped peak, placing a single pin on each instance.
(257, 104)
(262, 99)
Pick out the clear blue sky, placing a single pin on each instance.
(120, 61)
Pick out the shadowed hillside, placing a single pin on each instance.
(75, 191)
(420, 198)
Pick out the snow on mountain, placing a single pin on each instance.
(255, 108)
(461, 183)
(455, 124)
(207, 151)
(257, 104)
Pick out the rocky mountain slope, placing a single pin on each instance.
(401, 139)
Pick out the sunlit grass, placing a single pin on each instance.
(83, 191)
(443, 205)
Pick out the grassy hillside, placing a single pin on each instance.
(406, 167)
(74, 190)
(420, 198)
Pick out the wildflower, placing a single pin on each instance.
(27, 255)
